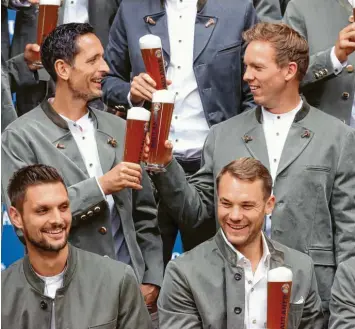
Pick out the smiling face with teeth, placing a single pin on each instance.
(45, 218)
(242, 206)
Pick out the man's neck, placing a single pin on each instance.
(48, 263)
(285, 104)
(253, 251)
(66, 104)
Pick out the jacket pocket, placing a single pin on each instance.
(324, 267)
(230, 48)
(318, 168)
(295, 315)
(109, 325)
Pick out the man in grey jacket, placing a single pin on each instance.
(342, 304)
(329, 28)
(310, 155)
(113, 207)
(223, 282)
(57, 285)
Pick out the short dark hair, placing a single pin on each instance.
(61, 43)
(28, 176)
(289, 45)
(248, 169)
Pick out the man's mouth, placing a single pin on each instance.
(54, 231)
(97, 80)
(253, 88)
(237, 227)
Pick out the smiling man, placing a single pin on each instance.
(114, 212)
(310, 156)
(223, 282)
(52, 286)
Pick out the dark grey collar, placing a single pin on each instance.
(277, 255)
(200, 4)
(37, 283)
(58, 120)
(301, 114)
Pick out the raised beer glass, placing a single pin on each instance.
(47, 21)
(153, 59)
(160, 121)
(137, 126)
(279, 287)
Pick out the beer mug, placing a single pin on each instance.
(279, 287)
(47, 21)
(137, 126)
(160, 121)
(153, 59)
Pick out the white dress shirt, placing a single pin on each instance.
(255, 287)
(76, 11)
(276, 128)
(189, 126)
(51, 285)
(83, 131)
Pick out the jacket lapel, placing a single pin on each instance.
(106, 146)
(254, 141)
(204, 28)
(157, 24)
(297, 140)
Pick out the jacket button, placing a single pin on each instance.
(83, 217)
(350, 68)
(237, 276)
(90, 213)
(345, 95)
(316, 75)
(237, 310)
(103, 230)
(97, 209)
(43, 305)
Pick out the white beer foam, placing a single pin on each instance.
(50, 2)
(149, 41)
(138, 113)
(279, 274)
(163, 96)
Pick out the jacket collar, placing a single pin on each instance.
(58, 120)
(301, 114)
(200, 4)
(37, 283)
(277, 257)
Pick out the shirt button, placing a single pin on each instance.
(176, 140)
(83, 137)
(237, 310)
(176, 117)
(250, 282)
(177, 93)
(180, 41)
(254, 321)
(278, 117)
(277, 134)
(237, 276)
(74, 124)
(179, 67)
(90, 164)
(252, 289)
(275, 160)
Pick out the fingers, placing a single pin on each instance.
(168, 82)
(143, 86)
(32, 47)
(148, 80)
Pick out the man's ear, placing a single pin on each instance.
(62, 69)
(270, 204)
(291, 72)
(16, 218)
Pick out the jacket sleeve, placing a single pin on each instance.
(247, 101)
(268, 10)
(312, 315)
(342, 303)
(132, 312)
(19, 74)
(320, 64)
(147, 231)
(116, 85)
(189, 202)
(342, 202)
(17, 153)
(176, 305)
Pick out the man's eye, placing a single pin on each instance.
(64, 207)
(41, 211)
(226, 205)
(247, 207)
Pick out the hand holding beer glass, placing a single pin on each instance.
(279, 287)
(160, 121)
(47, 21)
(137, 127)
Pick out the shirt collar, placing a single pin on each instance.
(176, 2)
(84, 122)
(265, 258)
(285, 116)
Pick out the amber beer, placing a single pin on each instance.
(136, 129)
(278, 297)
(153, 59)
(160, 121)
(47, 21)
